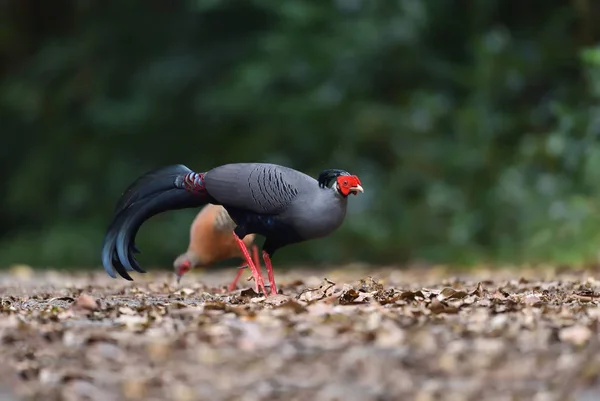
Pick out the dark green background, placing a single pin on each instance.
(474, 125)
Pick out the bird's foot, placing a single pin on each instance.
(255, 272)
(233, 284)
(270, 273)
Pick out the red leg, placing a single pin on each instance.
(270, 273)
(257, 276)
(233, 284)
(255, 257)
(256, 261)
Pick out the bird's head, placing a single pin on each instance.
(183, 264)
(345, 183)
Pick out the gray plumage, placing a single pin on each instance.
(282, 204)
(297, 204)
(257, 187)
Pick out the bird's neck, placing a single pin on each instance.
(194, 258)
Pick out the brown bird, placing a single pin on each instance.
(211, 242)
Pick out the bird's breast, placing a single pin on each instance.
(318, 217)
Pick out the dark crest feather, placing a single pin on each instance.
(326, 176)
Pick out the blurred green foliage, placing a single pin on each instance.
(474, 125)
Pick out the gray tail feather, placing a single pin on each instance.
(153, 193)
(150, 183)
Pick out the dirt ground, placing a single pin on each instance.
(351, 334)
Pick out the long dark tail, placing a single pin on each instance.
(167, 188)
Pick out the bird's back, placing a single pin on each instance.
(261, 188)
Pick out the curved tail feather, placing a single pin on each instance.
(149, 183)
(168, 188)
(110, 259)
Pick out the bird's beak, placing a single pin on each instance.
(179, 275)
(356, 189)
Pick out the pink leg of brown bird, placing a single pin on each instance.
(237, 277)
(233, 284)
(257, 276)
(270, 273)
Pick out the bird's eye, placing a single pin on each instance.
(345, 182)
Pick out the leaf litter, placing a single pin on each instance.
(383, 334)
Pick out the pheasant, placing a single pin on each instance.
(284, 205)
(211, 242)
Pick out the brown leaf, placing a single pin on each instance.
(215, 306)
(277, 300)
(411, 295)
(126, 310)
(183, 392)
(586, 295)
(448, 293)
(158, 351)
(370, 284)
(348, 297)
(479, 291)
(386, 297)
(249, 293)
(75, 390)
(86, 302)
(132, 321)
(532, 300)
(293, 306)
(536, 337)
(437, 307)
(186, 291)
(577, 335)
(315, 294)
(134, 389)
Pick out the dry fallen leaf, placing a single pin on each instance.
(448, 293)
(577, 335)
(437, 306)
(293, 306)
(86, 302)
(159, 351)
(182, 392)
(427, 334)
(370, 284)
(277, 300)
(479, 291)
(411, 295)
(316, 294)
(134, 389)
(348, 296)
(532, 300)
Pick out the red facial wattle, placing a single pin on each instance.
(348, 184)
(184, 267)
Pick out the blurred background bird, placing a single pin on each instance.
(211, 241)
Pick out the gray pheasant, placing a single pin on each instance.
(284, 205)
